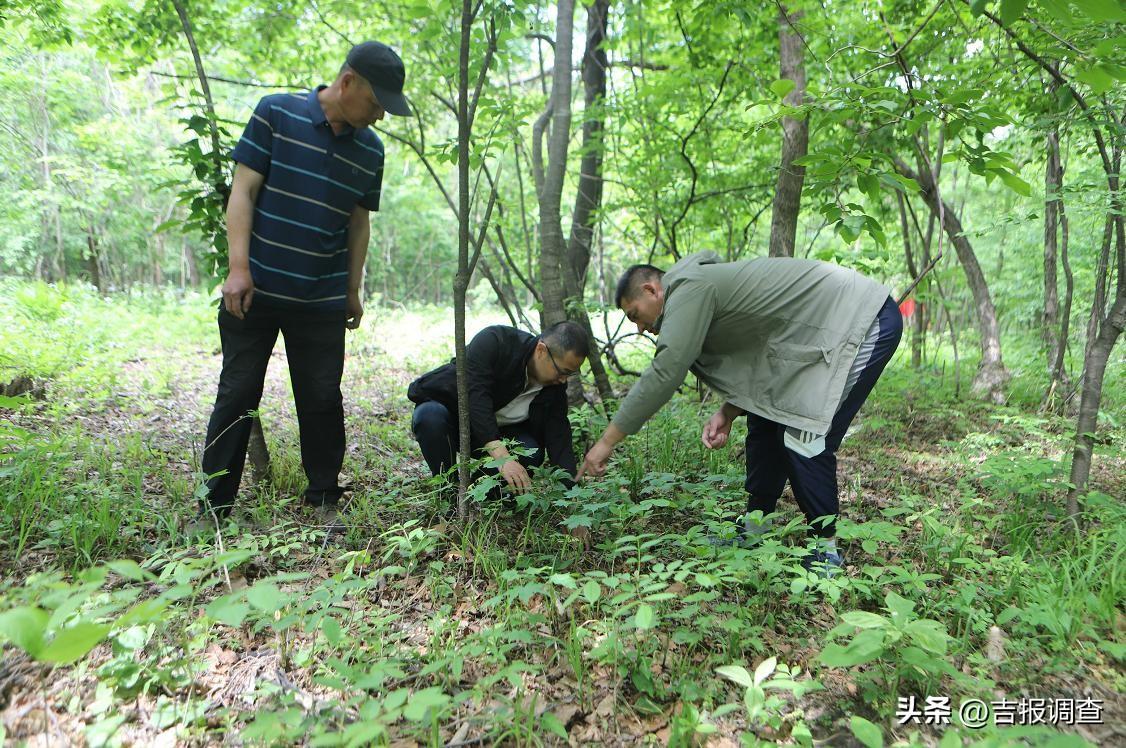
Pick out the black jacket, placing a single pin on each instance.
(497, 364)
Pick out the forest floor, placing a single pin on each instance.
(596, 616)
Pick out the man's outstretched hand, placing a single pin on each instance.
(594, 465)
(716, 430)
(516, 476)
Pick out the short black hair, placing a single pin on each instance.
(632, 279)
(567, 336)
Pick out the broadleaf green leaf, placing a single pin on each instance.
(864, 620)
(782, 86)
(422, 701)
(1098, 77)
(1102, 10)
(866, 732)
(73, 642)
(265, 596)
(564, 580)
(738, 674)
(25, 628)
(1015, 183)
(865, 647)
(592, 590)
(228, 611)
(131, 570)
(928, 634)
(765, 669)
(552, 724)
(1011, 10)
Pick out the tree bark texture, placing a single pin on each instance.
(93, 266)
(588, 196)
(258, 453)
(991, 376)
(257, 450)
(1059, 378)
(552, 246)
(913, 270)
(1052, 182)
(1094, 369)
(1098, 299)
(461, 280)
(795, 139)
(216, 150)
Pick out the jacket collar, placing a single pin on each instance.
(687, 267)
(527, 351)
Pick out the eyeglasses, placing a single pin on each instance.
(561, 372)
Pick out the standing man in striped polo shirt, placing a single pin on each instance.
(308, 174)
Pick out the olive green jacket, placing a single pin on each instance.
(774, 336)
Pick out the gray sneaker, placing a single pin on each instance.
(825, 564)
(203, 525)
(327, 518)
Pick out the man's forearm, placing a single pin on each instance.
(497, 450)
(731, 412)
(359, 233)
(612, 435)
(240, 220)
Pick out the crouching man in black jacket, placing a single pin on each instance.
(517, 390)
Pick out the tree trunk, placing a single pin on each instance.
(588, 196)
(216, 150)
(51, 218)
(1094, 369)
(795, 139)
(1055, 215)
(92, 265)
(549, 179)
(1059, 377)
(1119, 219)
(190, 266)
(1098, 299)
(1052, 182)
(991, 376)
(258, 453)
(256, 449)
(461, 280)
(913, 270)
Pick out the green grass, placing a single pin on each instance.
(507, 629)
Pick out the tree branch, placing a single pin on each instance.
(684, 154)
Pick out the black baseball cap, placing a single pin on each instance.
(382, 68)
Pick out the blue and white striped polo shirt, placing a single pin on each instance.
(314, 179)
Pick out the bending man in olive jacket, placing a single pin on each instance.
(517, 390)
(796, 345)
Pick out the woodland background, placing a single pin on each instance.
(977, 145)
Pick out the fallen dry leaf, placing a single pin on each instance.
(567, 713)
(221, 656)
(166, 739)
(582, 534)
(606, 706)
(459, 736)
(995, 647)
